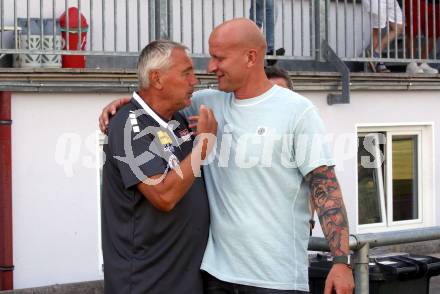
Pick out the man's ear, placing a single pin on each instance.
(155, 79)
(251, 57)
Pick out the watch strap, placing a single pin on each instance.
(344, 259)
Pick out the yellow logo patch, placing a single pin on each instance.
(164, 138)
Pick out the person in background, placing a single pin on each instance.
(429, 18)
(382, 12)
(263, 13)
(279, 76)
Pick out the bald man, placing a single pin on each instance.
(264, 169)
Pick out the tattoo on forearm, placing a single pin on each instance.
(327, 199)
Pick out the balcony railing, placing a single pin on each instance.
(124, 27)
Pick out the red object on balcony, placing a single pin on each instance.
(76, 32)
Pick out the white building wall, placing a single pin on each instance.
(56, 206)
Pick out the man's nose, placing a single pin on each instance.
(193, 80)
(212, 66)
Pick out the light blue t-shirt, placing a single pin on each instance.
(258, 201)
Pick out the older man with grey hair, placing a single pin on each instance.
(152, 240)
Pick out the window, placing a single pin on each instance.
(395, 186)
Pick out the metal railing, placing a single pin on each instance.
(124, 27)
(361, 244)
(409, 29)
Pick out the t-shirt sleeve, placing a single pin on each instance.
(135, 153)
(311, 142)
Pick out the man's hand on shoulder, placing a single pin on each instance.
(339, 279)
(109, 111)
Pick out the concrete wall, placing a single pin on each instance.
(55, 173)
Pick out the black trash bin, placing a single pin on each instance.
(402, 273)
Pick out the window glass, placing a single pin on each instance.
(405, 190)
(368, 188)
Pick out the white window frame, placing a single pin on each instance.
(425, 177)
(389, 175)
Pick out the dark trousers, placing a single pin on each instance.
(212, 285)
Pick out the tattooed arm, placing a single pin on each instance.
(327, 201)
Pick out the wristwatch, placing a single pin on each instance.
(343, 259)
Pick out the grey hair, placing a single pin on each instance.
(155, 56)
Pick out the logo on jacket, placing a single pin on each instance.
(261, 131)
(185, 135)
(134, 122)
(164, 138)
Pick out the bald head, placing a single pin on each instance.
(241, 33)
(237, 48)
